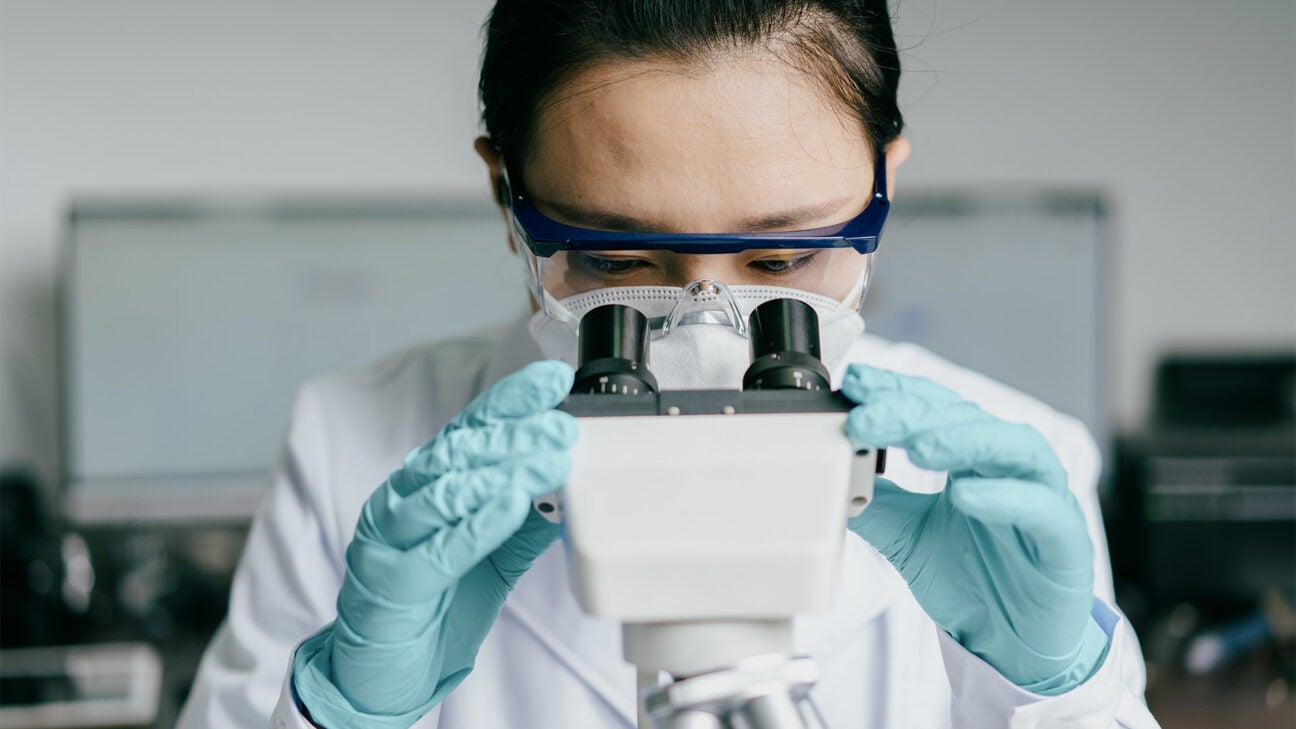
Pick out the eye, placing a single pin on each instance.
(602, 265)
(782, 265)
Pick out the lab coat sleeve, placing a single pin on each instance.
(984, 698)
(1113, 696)
(284, 589)
(286, 714)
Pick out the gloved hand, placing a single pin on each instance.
(437, 549)
(1000, 559)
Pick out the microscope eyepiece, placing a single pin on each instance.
(613, 351)
(785, 348)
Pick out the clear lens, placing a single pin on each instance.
(830, 272)
(672, 308)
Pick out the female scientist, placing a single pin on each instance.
(976, 588)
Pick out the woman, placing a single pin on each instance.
(977, 592)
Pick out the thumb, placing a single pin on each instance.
(515, 556)
(891, 521)
(1048, 527)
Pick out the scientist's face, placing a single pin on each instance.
(743, 144)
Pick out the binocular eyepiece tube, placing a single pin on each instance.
(614, 347)
(785, 348)
(614, 352)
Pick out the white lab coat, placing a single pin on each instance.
(547, 664)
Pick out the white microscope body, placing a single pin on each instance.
(704, 521)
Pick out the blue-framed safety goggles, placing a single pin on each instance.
(544, 236)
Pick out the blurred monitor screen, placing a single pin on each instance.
(1009, 285)
(188, 330)
(188, 327)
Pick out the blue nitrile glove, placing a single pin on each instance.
(1000, 559)
(437, 549)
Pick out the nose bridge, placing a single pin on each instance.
(688, 267)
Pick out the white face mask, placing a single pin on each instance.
(703, 348)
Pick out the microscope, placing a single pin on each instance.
(705, 520)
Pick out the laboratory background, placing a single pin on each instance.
(204, 205)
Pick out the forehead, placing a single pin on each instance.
(649, 136)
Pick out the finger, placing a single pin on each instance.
(515, 556)
(490, 583)
(467, 448)
(537, 387)
(388, 594)
(892, 520)
(957, 437)
(1045, 525)
(389, 577)
(863, 382)
(456, 496)
(893, 418)
(392, 586)
(456, 550)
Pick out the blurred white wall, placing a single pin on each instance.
(156, 97)
(1183, 111)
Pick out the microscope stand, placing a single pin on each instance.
(765, 692)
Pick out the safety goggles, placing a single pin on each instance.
(565, 260)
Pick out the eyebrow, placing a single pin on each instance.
(791, 219)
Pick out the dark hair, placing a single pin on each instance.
(533, 46)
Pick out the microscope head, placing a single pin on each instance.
(704, 520)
